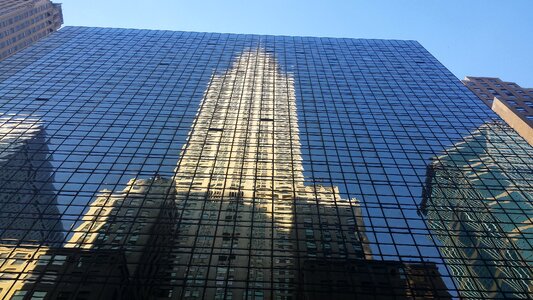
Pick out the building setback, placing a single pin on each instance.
(22, 23)
(279, 168)
(119, 250)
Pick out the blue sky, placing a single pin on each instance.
(470, 37)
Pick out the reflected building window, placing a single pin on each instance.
(476, 200)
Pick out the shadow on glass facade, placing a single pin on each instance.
(143, 164)
(28, 201)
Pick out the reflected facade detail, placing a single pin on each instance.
(138, 225)
(123, 244)
(248, 218)
(478, 204)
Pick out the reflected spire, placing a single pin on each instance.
(249, 219)
(245, 135)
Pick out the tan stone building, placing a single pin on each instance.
(514, 104)
(23, 22)
(139, 222)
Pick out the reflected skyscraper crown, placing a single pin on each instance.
(241, 175)
(245, 132)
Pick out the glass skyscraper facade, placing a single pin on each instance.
(140, 164)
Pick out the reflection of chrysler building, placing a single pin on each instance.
(248, 219)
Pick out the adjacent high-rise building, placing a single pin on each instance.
(224, 166)
(23, 22)
(512, 103)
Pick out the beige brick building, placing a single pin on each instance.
(513, 103)
(23, 22)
